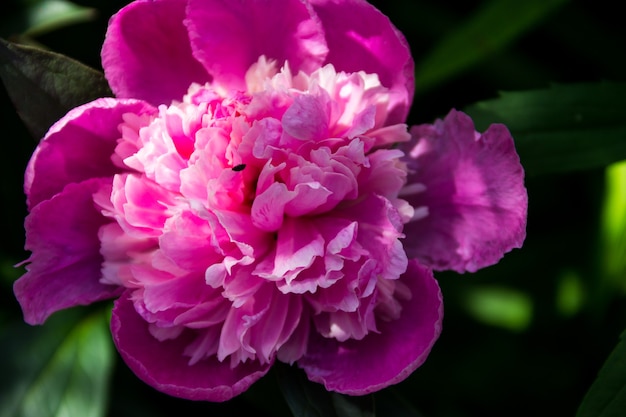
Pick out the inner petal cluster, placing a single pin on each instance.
(244, 220)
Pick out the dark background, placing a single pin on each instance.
(523, 338)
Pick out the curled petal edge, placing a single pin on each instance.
(64, 268)
(386, 358)
(468, 189)
(162, 364)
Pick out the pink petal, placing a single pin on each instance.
(146, 52)
(298, 244)
(378, 233)
(306, 119)
(162, 364)
(474, 195)
(361, 38)
(359, 367)
(262, 324)
(142, 204)
(117, 247)
(78, 147)
(183, 300)
(269, 207)
(229, 36)
(187, 241)
(64, 268)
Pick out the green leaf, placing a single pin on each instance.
(304, 398)
(44, 85)
(309, 399)
(607, 395)
(613, 228)
(500, 306)
(347, 406)
(59, 370)
(46, 16)
(563, 128)
(390, 403)
(493, 27)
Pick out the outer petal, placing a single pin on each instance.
(78, 147)
(361, 38)
(474, 195)
(163, 365)
(147, 55)
(64, 269)
(228, 36)
(359, 367)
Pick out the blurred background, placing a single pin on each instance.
(526, 337)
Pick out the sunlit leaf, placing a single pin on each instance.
(44, 85)
(493, 27)
(570, 293)
(607, 395)
(61, 369)
(500, 306)
(49, 15)
(563, 128)
(614, 225)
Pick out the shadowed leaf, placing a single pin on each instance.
(309, 399)
(304, 398)
(607, 395)
(390, 403)
(493, 27)
(44, 85)
(563, 128)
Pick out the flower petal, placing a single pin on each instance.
(361, 38)
(472, 187)
(146, 52)
(78, 147)
(358, 367)
(64, 268)
(163, 365)
(229, 36)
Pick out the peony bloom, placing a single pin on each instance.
(242, 200)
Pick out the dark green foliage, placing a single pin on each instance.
(44, 85)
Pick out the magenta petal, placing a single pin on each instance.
(474, 195)
(229, 36)
(361, 38)
(162, 364)
(359, 367)
(64, 269)
(147, 55)
(78, 147)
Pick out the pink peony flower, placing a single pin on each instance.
(242, 200)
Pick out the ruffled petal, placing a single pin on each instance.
(163, 365)
(468, 189)
(229, 36)
(78, 147)
(64, 268)
(147, 54)
(361, 38)
(358, 367)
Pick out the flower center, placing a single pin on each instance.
(248, 218)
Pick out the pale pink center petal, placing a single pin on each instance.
(249, 216)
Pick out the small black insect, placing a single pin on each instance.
(239, 167)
